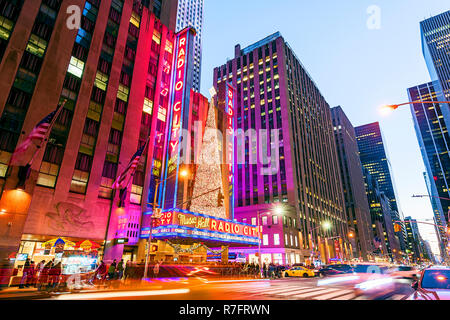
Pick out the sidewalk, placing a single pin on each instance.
(14, 293)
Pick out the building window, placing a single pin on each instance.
(76, 67)
(275, 220)
(264, 221)
(265, 240)
(276, 239)
(253, 221)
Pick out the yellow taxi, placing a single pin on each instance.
(299, 272)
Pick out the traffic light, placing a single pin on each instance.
(220, 199)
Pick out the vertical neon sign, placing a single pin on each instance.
(179, 90)
(229, 110)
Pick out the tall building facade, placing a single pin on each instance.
(386, 243)
(374, 158)
(435, 33)
(285, 155)
(190, 14)
(434, 141)
(414, 239)
(356, 203)
(110, 72)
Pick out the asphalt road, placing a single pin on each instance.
(202, 289)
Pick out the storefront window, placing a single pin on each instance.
(277, 258)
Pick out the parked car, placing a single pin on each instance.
(335, 269)
(434, 284)
(299, 272)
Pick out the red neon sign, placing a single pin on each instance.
(230, 115)
(178, 93)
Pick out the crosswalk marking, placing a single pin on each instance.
(278, 291)
(329, 296)
(291, 293)
(346, 297)
(313, 294)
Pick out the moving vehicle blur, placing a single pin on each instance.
(404, 272)
(375, 281)
(336, 269)
(434, 284)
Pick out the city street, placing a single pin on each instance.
(203, 289)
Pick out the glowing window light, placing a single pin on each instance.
(76, 67)
(148, 106)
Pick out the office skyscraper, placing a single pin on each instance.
(278, 102)
(356, 203)
(434, 141)
(435, 33)
(190, 14)
(384, 239)
(374, 158)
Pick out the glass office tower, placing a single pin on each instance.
(434, 140)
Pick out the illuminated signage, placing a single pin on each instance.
(229, 110)
(179, 95)
(203, 222)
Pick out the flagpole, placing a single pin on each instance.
(48, 131)
(112, 204)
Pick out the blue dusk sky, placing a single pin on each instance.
(354, 66)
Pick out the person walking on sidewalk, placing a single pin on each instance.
(44, 276)
(156, 269)
(31, 276)
(120, 270)
(112, 270)
(54, 274)
(25, 272)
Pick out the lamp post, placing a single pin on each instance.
(326, 225)
(396, 106)
(183, 174)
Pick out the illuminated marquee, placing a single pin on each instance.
(198, 221)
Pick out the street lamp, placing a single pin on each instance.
(183, 174)
(389, 108)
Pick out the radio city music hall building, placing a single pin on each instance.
(126, 78)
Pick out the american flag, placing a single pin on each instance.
(121, 181)
(37, 135)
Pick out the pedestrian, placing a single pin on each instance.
(112, 270)
(31, 276)
(271, 270)
(54, 274)
(43, 279)
(26, 270)
(265, 269)
(127, 271)
(101, 271)
(120, 270)
(156, 269)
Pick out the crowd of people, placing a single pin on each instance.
(43, 276)
(47, 276)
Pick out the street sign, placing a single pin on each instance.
(121, 241)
